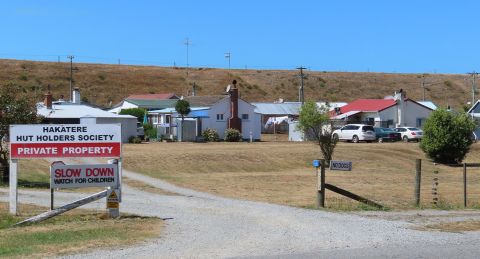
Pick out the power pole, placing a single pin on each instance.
(187, 43)
(71, 77)
(474, 87)
(228, 56)
(423, 86)
(301, 95)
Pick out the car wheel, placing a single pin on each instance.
(380, 140)
(355, 139)
(405, 139)
(335, 137)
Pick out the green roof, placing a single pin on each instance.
(153, 104)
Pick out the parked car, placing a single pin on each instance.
(140, 130)
(410, 133)
(387, 134)
(355, 133)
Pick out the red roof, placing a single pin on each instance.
(153, 96)
(368, 105)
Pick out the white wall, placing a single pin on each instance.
(414, 111)
(125, 105)
(129, 126)
(223, 107)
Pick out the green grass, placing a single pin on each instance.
(71, 232)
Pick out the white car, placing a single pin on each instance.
(355, 133)
(410, 133)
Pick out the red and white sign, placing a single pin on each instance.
(76, 176)
(68, 140)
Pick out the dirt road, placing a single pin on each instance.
(206, 226)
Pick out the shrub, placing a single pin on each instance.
(137, 112)
(150, 131)
(210, 135)
(232, 135)
(134, 140)
(447, 136)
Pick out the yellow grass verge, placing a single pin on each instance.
(281, 172)
(460, 226)
(77, 231)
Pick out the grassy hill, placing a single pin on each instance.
(108, 84)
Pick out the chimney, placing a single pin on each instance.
(234, 122)
(76, 95)
(48, 99)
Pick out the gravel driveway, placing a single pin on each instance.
(207, 226)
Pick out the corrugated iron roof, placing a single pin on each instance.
(164, 96)
(205, 101)
(278, 108)
(368, 105)
(153, 104)
(68, 110)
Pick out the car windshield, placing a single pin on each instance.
(367, 128)
(413, 129)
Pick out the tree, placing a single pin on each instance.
(183, 108)
(315, 124)
(447, 136)
(16, 107)
(137, 112)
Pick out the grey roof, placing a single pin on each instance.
(278, 108)
(69, 110)
(428, 104)
(205, 101)
(153, 104)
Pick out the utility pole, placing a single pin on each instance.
(474, 87)
(301, 95)
(187, 43)
(228, 56)
(423, 86)
(71, 77)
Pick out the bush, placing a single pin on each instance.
(232, 135)
(137, 112)
(150, 131)
(447, 136)
(134, 140)
(210, 135)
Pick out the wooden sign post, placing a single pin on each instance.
(320, 182)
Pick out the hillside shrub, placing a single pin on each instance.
(447, 136)
(232, 135)
(210, 135)
(137, 112)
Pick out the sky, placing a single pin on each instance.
(357, 36)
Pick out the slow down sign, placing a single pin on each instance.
(76, 176)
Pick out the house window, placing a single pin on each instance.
(220, 117)
(155, 119)
(245, 116)
(420, 122)
(167, 118)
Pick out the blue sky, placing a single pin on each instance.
(378, 36)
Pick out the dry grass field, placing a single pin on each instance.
(108, 84)
(281, 172)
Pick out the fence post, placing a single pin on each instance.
(435, 188)
(464, 185)
(418, 180)
(321, 185)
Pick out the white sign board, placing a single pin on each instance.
(341, 165)
(68, 140)
(76, 176)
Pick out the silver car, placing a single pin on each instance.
(410, 133)
(355, 133)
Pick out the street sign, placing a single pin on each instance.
(112, 200)
(341, 165)
(316, 163)
(69, 140)
(77, 176)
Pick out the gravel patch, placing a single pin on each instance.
(202, 225)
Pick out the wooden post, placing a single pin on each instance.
(13, 187)
(321, 185)
(51, 198)
(113, 193)
(464, 185)
(418, 180)
(435, 188)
